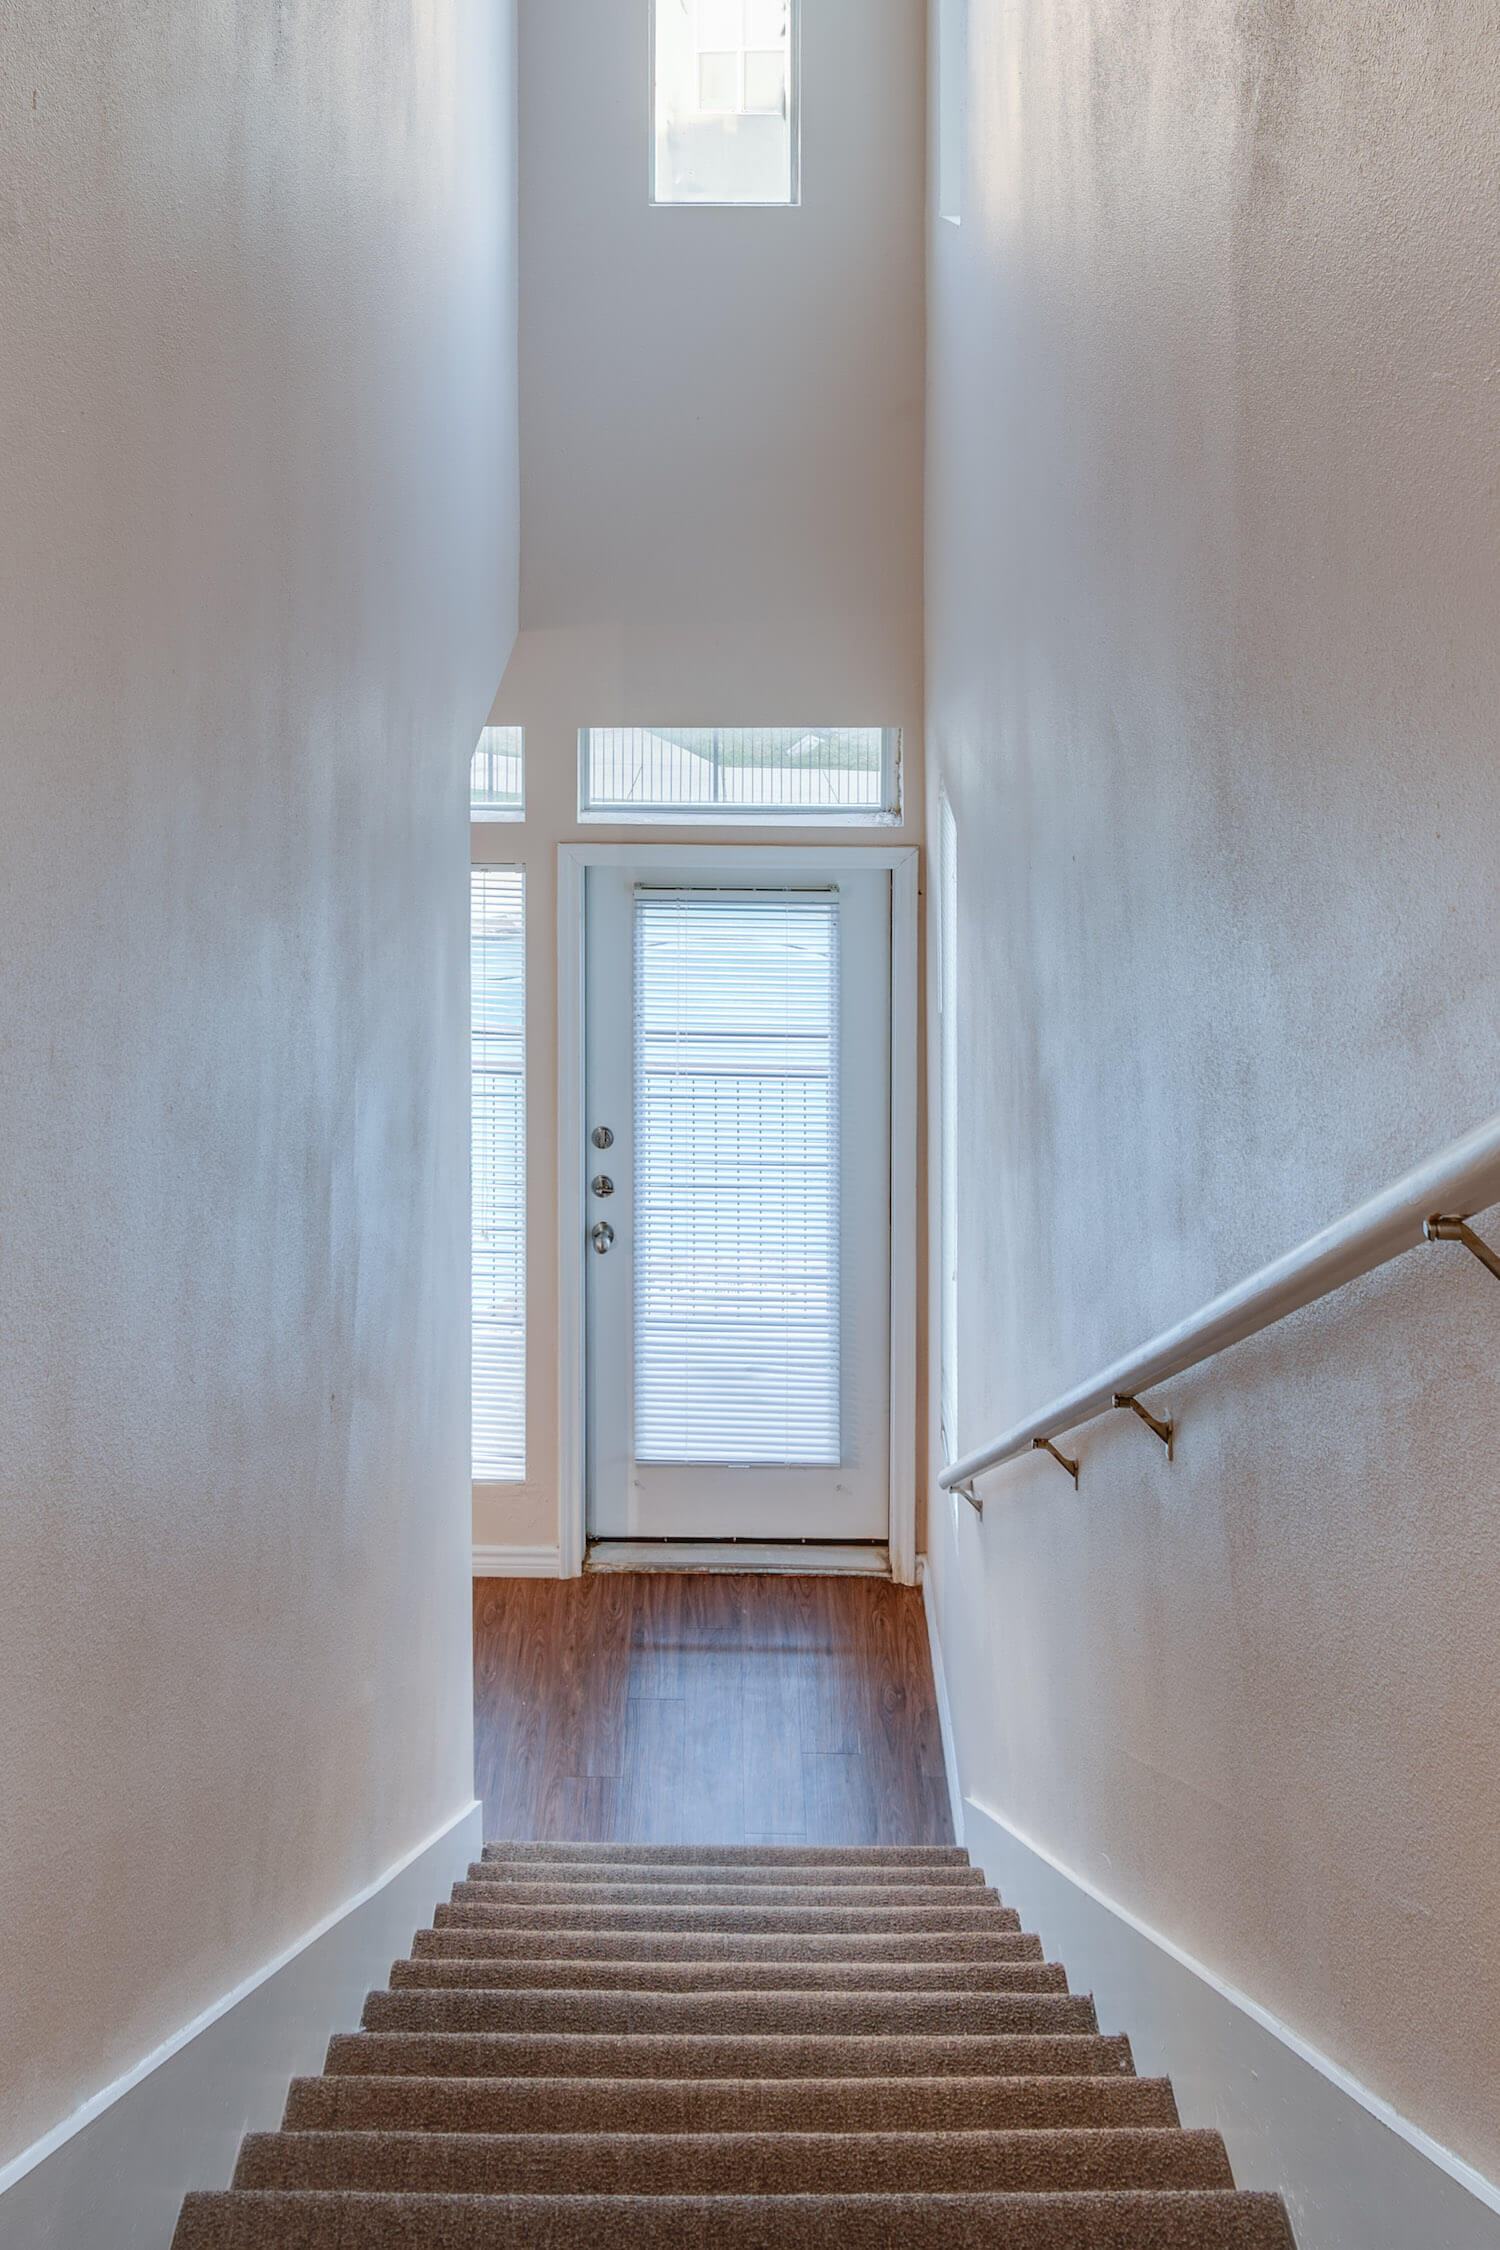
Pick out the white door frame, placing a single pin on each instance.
(573, 862)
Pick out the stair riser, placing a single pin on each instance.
(735, 2163)
(491, 2055)
(728, 1976)
(732, 2015)
(1207, 2221)
(829, 2105)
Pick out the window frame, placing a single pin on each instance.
(485, 816)
(888, 814)
(792, 200)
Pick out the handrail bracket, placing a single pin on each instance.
(1045, 1445)
(967, 1489)
(1439, 1229)
(1166, 1431)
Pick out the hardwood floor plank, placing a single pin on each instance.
(580, 1810)
(714, 1712)
(776, 1652)
(840, 1798)
(653, 1800)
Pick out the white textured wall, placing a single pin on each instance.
(1213, 674)
(721, 419)
(257, 586)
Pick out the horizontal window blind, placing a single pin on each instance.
(497, 775)
(737, 1178)
(498, 1005)
(724, 771)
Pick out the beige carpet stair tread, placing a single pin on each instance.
(484, 1883)
(766, 2163)
(840, 2015)
(922, 1879)
(480, 1903)
(685, 2047)
(477, 1973)
(698, 2105)
(1209, 2219)
(477, 1941)
(738, 1855)
(439, 2054)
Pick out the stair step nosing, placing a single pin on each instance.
(1048, 2160)
(753, 2055)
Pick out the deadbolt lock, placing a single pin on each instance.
(602, 1236)
(601, 1184)
(602, 1137)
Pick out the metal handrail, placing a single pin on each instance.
(1432, 1203)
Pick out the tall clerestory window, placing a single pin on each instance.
(724, 93)
(953, 71)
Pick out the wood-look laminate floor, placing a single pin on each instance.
(676, 1708)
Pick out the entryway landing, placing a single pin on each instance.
(715, 1709)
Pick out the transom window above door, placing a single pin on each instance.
(724, 92)
(724, 773)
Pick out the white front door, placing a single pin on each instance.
(737, 1085)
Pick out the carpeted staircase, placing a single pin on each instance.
(605, 2045)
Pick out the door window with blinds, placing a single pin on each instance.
(497, 938)
(737, 1178)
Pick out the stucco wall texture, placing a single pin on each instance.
(257, 586)
(1213, 674)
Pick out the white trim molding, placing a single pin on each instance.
(730, 1555)
(517, 1562)
(945, 1708)
(117, 2169)
(573, 861)
(1355, 2174)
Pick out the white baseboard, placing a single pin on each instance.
(116, 2170)
(1355, 2174)
(945, 1708)
(517, 1562)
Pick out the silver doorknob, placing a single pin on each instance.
(602, 1236)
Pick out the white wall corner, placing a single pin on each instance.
(116, 2171)
(1355, 2174)
(945, 1708)
(517, 1562)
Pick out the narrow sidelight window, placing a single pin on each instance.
(737, 1336)
(724, 93)
(498, 1012)
(497, 775)
(948, 1099)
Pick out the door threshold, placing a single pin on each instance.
(739, 1555)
